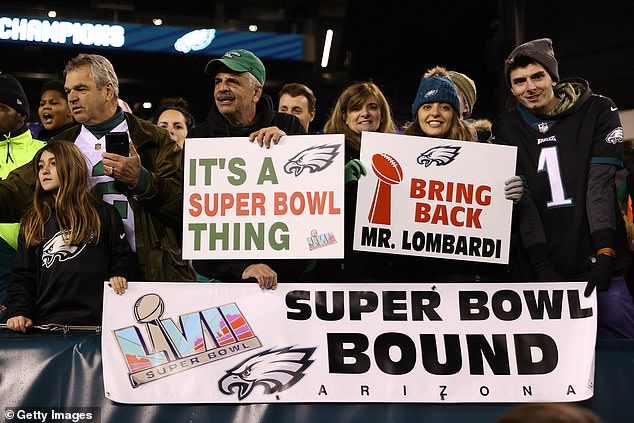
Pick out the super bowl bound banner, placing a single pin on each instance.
(235, 343)
(244, 201)
(434, 197)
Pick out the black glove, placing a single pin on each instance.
(541, 264)
(599, 274)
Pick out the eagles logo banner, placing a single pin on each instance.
(434, 197)
(357, 343)
(243, 201)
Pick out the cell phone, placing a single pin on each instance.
(118, 143)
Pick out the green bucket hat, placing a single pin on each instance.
(238, 61)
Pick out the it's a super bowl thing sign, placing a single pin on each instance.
(243, 201)
(434, 197)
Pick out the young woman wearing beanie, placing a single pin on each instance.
(436, 114)
(467, 95)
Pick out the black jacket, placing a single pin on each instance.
(55, 283)
(217, 125)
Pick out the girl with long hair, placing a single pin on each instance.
(70, 242)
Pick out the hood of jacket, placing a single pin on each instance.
(572, 93)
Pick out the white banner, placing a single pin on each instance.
(235, 343)
(434, 197)
(243, 201)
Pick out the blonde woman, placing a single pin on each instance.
(360, 107)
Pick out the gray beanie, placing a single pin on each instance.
(12, 94)
(540, 51)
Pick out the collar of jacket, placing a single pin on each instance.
(264, 114)
(573, 93)
(139, 134)
(13, 134)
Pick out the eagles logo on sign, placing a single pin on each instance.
(440, 156)
(313, 159)
(274, 370)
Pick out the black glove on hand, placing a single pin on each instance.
(353, 170)
(600, 274)
(541, 264)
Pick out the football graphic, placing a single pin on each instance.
(148, 308)
(389, 172)
(387, 168)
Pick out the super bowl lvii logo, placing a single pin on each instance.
(169, 347)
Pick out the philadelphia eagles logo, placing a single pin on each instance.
(55, 248)
(274, 370)
(441, 155)
(314, 159)
(616, 136)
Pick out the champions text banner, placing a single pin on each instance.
(242, 201)
(434, 197)
(235, 343)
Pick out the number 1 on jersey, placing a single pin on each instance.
(549, 163)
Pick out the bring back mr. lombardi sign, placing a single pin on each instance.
(434, 197)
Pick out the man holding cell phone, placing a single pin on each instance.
(145, 185)
(117, 143)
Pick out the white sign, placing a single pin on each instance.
(235, 343)
(434, 197)
(243, 201)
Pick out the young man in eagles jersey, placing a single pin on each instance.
(570, 145)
